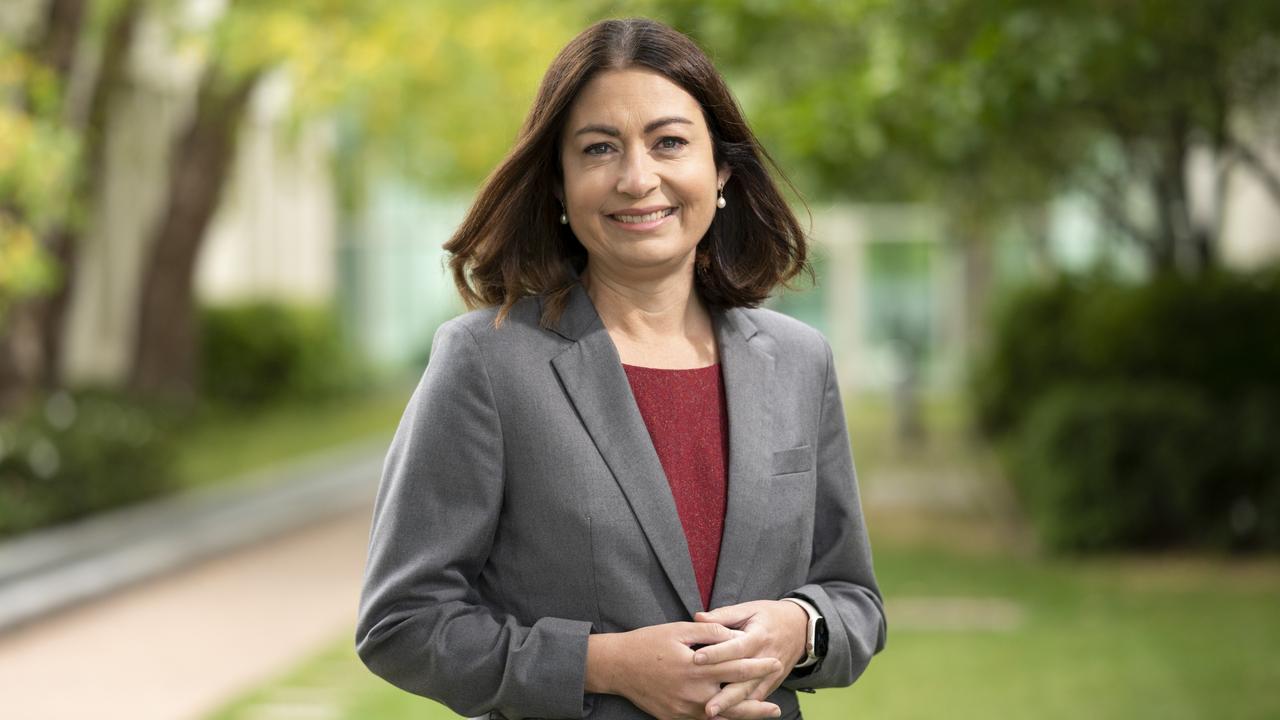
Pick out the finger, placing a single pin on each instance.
(763, 689)
(740, 645)
(704, 633)
(731, 695)
(729, 615)
(743, 670)
(750, 709)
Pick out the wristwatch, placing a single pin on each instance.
(815, 645)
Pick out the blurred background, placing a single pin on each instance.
(1047, 249)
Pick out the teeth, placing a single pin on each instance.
(649, 217)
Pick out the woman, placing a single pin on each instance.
(618, 442)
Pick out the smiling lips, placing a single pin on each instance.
(642, 218)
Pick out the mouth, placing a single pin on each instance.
(645, 218)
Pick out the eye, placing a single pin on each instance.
(672, 142)
(597, 149)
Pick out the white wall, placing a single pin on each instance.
(274, 235)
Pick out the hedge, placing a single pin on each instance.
(258, 352)
(68, 455)
(1141, 415)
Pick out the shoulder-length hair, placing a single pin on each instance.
(511, 243)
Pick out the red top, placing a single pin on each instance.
(684, 411)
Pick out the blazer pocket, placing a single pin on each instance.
(793, 460)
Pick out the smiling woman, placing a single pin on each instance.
(621, 489)
(640, 178)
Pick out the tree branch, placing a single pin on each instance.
(1116, 215)
(1252, 160)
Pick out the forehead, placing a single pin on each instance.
(627, 99)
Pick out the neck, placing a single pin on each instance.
(647, 310)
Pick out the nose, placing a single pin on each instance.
(636, 176)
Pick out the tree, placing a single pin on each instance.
(987, 105)
(397, 70)
(431, 91)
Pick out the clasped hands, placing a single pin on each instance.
(743, 653)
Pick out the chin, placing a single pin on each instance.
(670, 262)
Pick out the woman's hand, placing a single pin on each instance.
(770, 629)
(653, 667)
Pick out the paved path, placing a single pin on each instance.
(182, 645)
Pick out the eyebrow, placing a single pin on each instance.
(615, 132)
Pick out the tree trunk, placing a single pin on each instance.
(165, 355)
(57, 49)
(1163, 254)
(973, 234)
(64, 240)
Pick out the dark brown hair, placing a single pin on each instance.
(511, 243)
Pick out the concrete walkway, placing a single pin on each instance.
(182, 645)
(171, 608)
(47, 570)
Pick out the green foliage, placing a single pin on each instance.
(25, 269)
(1112, 466)
(1215, 334)
(37, 159)
(1141, 415)
(37, 151)
(988, 107)
(435, 90)
(70, 455)
(1144, 465)
(259, 352)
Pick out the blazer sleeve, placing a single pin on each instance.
(841, 583)
(422, 625)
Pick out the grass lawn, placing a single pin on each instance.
(1112, 638)
(222, 444)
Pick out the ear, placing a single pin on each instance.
(557, 189)
(722, 175)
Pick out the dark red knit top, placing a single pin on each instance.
(684, 411)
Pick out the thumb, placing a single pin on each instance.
(729, 615)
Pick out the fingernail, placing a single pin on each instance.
(715, 710)
(700, 659)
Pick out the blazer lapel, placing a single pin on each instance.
(747, 371)
(592, 375)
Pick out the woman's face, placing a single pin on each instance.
(640, 182)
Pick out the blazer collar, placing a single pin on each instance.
(580, 318)
(596, 384)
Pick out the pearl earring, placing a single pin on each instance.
(564, 217)
(720, 202)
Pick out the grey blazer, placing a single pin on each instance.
(523, 506)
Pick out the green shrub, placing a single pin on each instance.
(1144, 465)
(1112, 466)
(1141, 416)
(1219, 335)
(68, 455)
(1028, 354)
(262, 351)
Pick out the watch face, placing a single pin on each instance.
(820, 638)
